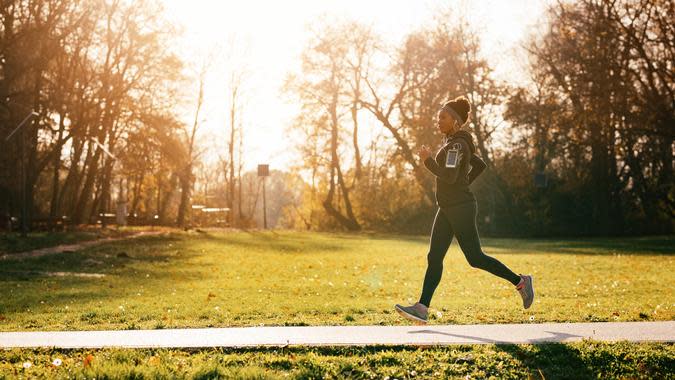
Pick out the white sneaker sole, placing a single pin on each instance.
(532, 286)
(411, 317)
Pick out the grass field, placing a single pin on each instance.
(289, 278)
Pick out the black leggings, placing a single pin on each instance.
(459, 221)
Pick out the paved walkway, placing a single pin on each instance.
(73, 247)
(347, 335)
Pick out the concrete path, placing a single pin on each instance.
(73, 247)
(347, 335)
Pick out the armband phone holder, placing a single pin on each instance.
(452, 158)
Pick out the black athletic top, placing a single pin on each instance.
(454, 176)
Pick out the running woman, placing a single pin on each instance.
(455, 166)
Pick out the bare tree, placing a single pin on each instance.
(186, 174)
(322, 91)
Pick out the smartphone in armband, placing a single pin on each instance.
(452, 158)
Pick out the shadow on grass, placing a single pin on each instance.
(11, 242)
(380, 236)
(655, 245)
(550, 360)
(148, 261)
(123, 264)
(554, 336)
(62, 298)
(105, 259)
(648, 245)
(270, 240)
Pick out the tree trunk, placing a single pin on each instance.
(90, 171)
(350, 221)
(599, 181)
(54, 205)
(355, 138)
(230, 190)
(137, 193)
(168, 196)
(186, 187)
(32, 171)
(106, 181)
(239, 168)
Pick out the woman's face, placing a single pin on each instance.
(446, 123)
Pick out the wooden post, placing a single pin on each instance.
(264, 206)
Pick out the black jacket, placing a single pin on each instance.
(452, 183)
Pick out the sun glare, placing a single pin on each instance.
(270, 35)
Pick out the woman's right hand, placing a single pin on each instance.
(424, 153)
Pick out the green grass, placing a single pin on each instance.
(292, 278)
(583, 360)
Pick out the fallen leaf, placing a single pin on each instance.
(88, 360)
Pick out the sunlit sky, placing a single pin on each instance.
(269, 36)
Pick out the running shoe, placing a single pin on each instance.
(417, 313)
(526, 290)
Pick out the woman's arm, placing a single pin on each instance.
(477, 167)
(434, 168)
(443, 170)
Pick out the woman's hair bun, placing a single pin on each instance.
(461, 106)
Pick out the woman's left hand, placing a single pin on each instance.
(424, 153)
